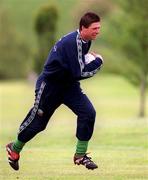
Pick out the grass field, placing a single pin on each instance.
(119, 144)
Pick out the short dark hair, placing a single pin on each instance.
(87, 19)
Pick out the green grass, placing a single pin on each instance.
(119, 143)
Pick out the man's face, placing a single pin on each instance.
(91, 32)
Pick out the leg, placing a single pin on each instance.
(47, 100)
(79, 103)
(82, 107)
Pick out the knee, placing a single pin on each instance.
(92, 114)
(89, 114)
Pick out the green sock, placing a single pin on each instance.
(81, 147)
(18, 146)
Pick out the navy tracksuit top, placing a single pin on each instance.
(66, 62)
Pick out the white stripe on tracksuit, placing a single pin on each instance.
(82, 65)
(34, 110)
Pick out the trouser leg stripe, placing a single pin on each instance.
(34, 110)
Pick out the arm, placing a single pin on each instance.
(76, 62)
(92, 67)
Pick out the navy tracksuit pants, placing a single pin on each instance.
(49, 96)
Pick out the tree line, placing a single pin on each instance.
(125, 35)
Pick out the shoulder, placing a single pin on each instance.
(70, 38)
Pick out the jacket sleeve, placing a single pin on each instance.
(91, 68)
(76, 63)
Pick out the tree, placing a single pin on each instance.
(124, 40)
(129, 34)
(15, 53)
(45, 27)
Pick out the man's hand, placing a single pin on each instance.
(94, 54)
(97, 55)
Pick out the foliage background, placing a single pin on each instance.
(119, 144)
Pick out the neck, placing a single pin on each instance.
(83, 37)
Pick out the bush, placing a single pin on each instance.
(45, 27)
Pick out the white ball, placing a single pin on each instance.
(88, 58)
